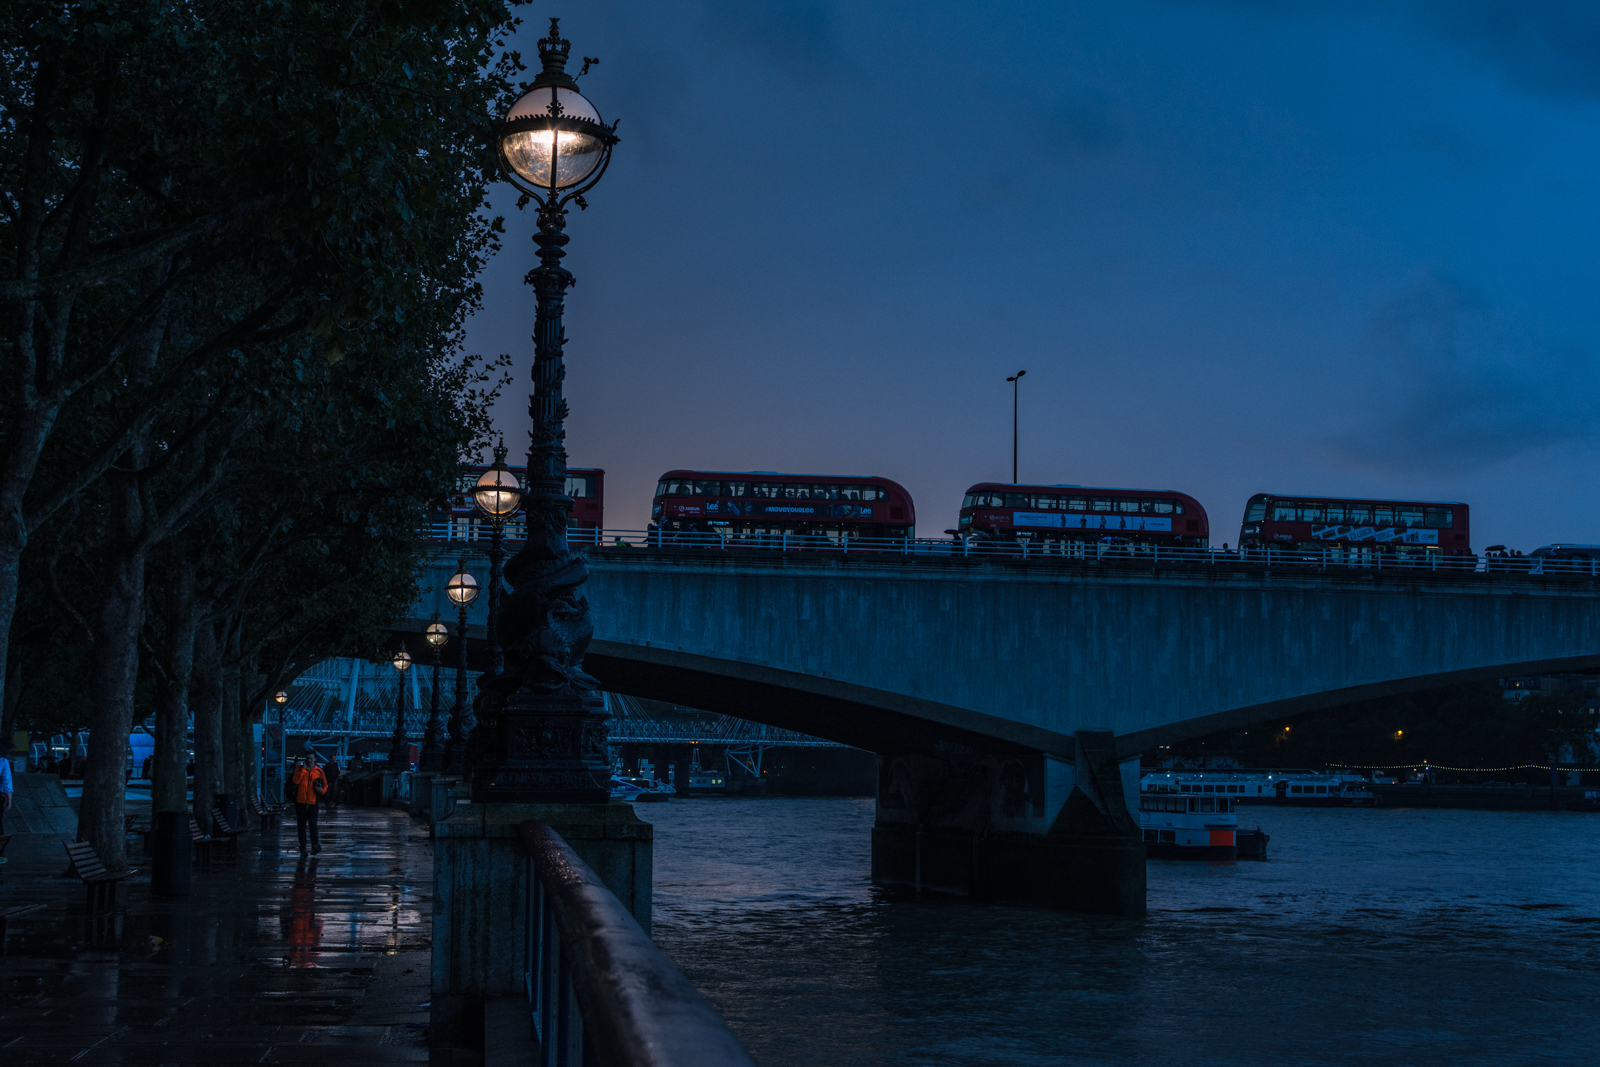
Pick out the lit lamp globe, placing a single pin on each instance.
(498, 494)
(462, 588)
(281, 697)
(402, 660)
(437, 634)
(553, 139)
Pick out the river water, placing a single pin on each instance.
(1368, 937)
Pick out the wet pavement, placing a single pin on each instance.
(273, 958)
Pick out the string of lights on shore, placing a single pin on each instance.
(1441, 767)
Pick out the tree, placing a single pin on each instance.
(196, 201)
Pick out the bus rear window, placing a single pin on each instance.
(1256, 510)
(1439, 518)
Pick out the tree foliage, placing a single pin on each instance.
(239, 244)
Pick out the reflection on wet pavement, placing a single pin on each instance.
(274, 958)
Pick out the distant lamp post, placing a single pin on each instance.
(554, 147)
(1015, 381)
(397, 745)
(497, 496)
(437, 634)
(462, 589)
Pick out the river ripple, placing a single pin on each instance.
(1369, 937)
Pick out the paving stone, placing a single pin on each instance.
(274, 958)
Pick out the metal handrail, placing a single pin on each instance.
(599, 990)
(1300, 558)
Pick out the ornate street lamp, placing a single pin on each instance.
(462, 589)
(397, 745)
(554, 147)
(497, 496)
(282, 698)
(437, 634)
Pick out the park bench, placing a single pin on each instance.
(221, 825)
(267, 813)
(7, 913)
(101, 883)
(201, 843)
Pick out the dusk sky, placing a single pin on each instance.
(1324, 248)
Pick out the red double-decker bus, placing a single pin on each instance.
(1403, 528)
(1065, 514)
(757, 504)
(463, 522)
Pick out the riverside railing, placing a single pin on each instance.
(599, 990)
(1398, 557)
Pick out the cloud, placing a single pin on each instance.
(1549, 47)
(800, 37)
(1459, 393)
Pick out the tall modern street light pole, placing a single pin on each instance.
(1015, 379)
(554, 147)
(436, 634)
(462, 589)
(397, 744)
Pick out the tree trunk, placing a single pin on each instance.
(249, 715)
(168, 771)
(205, 701)
(115, 676)
(231, 681)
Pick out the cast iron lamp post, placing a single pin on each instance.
(542, 730)
(462, 589)
(436, 634)
(397, 745)
(497, 497)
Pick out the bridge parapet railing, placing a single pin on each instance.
(599, 990)
(1112, 551)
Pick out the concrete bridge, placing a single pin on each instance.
(995, 692)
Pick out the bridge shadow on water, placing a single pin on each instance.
(1371, 937)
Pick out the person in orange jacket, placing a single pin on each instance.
(306, 784)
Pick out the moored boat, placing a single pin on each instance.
(1177, 822)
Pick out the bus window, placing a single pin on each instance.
(680, 487)
(1439, 518)
(968, 501)
(1310, 512)
(1100, 505)
(1256, 510)
(1077, 503)
(1383, 516)
(794, 491)
(1285, 513)
(661, 488)
(707, 488)
(1334, 513)
(858, 492)
(1162, 507)
(1360, 514)
(580, 485)
(736, 488)
(1410, 516)
(1128, 505)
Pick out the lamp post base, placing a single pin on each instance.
(542, 749)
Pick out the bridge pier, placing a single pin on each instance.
(1027, 827)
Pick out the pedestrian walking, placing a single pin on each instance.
(5, 794)
(306, 785)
